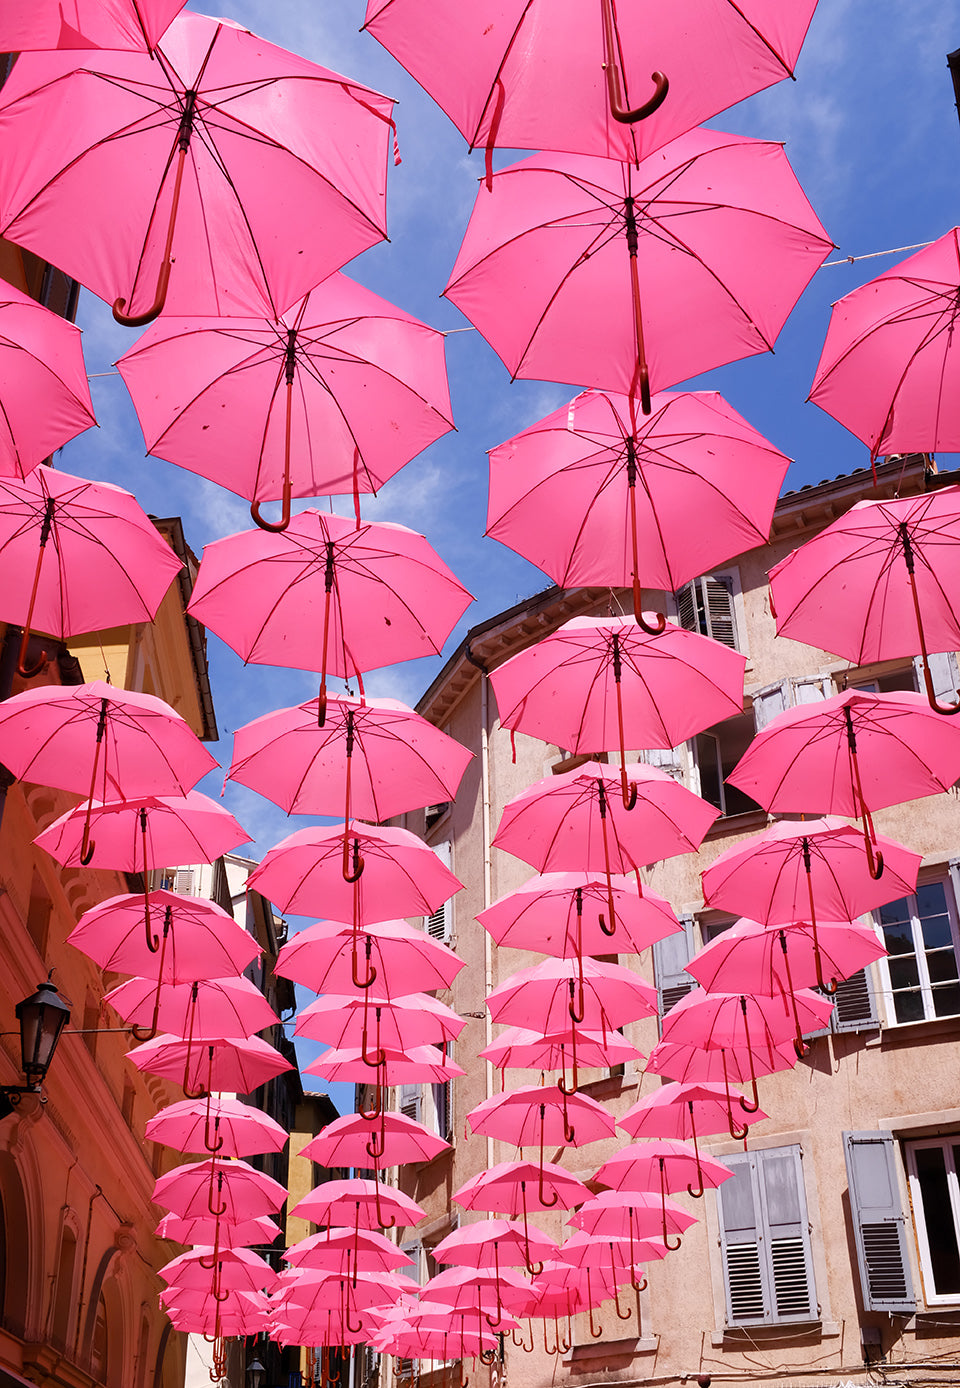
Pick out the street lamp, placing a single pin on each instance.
(255, 1373)
(42, 1018)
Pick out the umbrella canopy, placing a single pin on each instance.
(633, 277)
(624, 490)
(280, 408)
(208, 1007)
(524, 75)
(521, 1049)
(234, 1190)
(626, 1213)
(333, 958)
(210, 1230)
(230, 1063)
(682, 1111)
(372, 1021)
(774, 959)
(726, 1065)
(490, 1243)
(888, 372)
(216, 1125)
(361, 1201)
(541, 1114)
(578, 820)
(328, 594)
(204, 942)
(236, 1269)
(731, 1020)
(43, 24)
(45, 399)
(401, 876)
(567, 914)
(376, 757)
(414, 1065)
(660, 1164)
(243, 1313)
(592, 993)
(877, 583)
(208, 165)
(514, 1187)
(603, 683)
(489, 1291)
(353, 1141)
(363, 1248)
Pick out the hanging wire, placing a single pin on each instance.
(872, 255)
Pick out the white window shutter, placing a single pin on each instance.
(183, 881)
(440, 923)
(410, 1101)
(879, 1224)
(769, 701)
(943, 672)
(670, 958)
(706, 605)
(765, 1239)
(810, 689)
(668, 759)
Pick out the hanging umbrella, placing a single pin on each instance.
(663, 1165)
(724, 1065)
(401, 876)
(877, 583)
(541, 1115)
(589, 992)
(624, 492)
(353, 1141)
(359, 1200)
(370, 757)
(216, 1125)
(329, 957)
(413, 1065)
(371, 1021)
(233, 1190)
(566, 914)
(887, 371)
(235, 1269)
(252, 170)
(522, 1049)
(632, 1214)
(683, 1111)
(201, 1066)
(280, 408)
(851, 754)
(221, 1007)
(633, 277)
(775, 959)
(618, 1260)
(522, 75)
(491, 1293)
(45, 399)
(244, 1313)
(514, 1187)
(328, 594)
(202, 941)
(490, 1243)
(44, 24)
(208, 1229)
(731, 1020)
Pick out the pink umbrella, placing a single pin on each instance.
(221, 1007)
(663, 1165)
(413, 1065)
(618, 1260)
(887, 371)
(489, 1243)
(326, 1249)
(633, 277)
(604, 684)
(137, 24)
(241, 1065)
(244, 1313)
(851, 754)
(622, 492)
(566, 914)
(589, 992)
(199, 939)
(497, 1291)
(514, 1187)
(541, 1114)
(373, 1021)
(233, 1190)
(353, 1141)
(519, 1048)
(275, 408)
(216, 1125)
(877, 583)
(108, 565)
(375, 594)
(371, 757)
(333, 958)
(630, 1214)
(731, 1020)
(402, 876)
(360, 1200)
(577, 820)
(209, 153)
(775, 959)
(683, 1111)
(45, 397)
(208, 1229)
(234, 1269)
(726, 1065)
(523, 75)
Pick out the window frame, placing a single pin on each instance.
(948, 879)
(946, 1142)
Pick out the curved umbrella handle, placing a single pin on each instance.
(577, 1010)
(384, 1223)
(617, 109)
(487, 1356)
(574, 1075)
(216, 1143)
(139, 320)
(354, 1329)
(697, 1194)
(275, 527)
(148, 1033)
(628, 794)
(621, 1315)
(521, 1343)
(541, 1195)
(372, 1114)
(214, 1209)
(596, 1334)
(354, 874)
(376, 1144)
(371, 968)
(654, 630)
(23, 669)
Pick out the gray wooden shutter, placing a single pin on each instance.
(879, 1224)
(668, 759)
(743, 1276)
(410, 1101)
(718, 604)
(441, 1109)
(855, 1004)
(768, 702)
(943, 672)
(765, 1239)
(440, 923)
(671, 955)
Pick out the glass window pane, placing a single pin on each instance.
(898, 938)
(904, 973)
(936, 932)
(942, 966)
(938, 1220)
(908, 1006)
(946, 1000)
(894, 911)
(931, 899)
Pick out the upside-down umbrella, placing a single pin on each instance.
(851, 754)
(623, 491)
(633, 277)
(691, 1062)
(361, 1200)
(221, 167)
(44, 24)
(205, 1065)
(803, 871)
(222, 1125)
(328, 594)
(775, 959)
(599, 78)
(401, 876)
(281, 408)
(373, 758)
(878, 583)
(602, 684)
(329, 957)
(45, 399)
(888, 371)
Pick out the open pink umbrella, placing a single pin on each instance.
(43, 24)
(366, 1248)
(691, 1062)
(333, 958)
(372, 1021)
(598, 493)
(523, 1049)
(412, 1065)
(683, 1111)
(394, 1141)
(219, 166)
(491, 1292)
(243, 1313)
(208, 1229)
(234, 1269)
(328, 594)
(851, 754)
(401, 876)
(234, 1190)
(281, 408)
(515, 1187)
(633, 277)
(775, 959)
(589, 992)
(662, 1164)
(216, 1125)
(877, 583)
(731, 1020)
(494, 1242)
(222, 1007)
(45, 397)
(231, 1063)
(541, 1115)
(602, 684)
(617, 1259)
(361, 1201)
(627, 1213)
(522, 75)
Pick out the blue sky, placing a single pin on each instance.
(871, 129)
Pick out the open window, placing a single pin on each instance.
(716, 752)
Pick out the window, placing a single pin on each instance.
(879, 1225)
(410, 1101)
(716, 752)
(765, 1239)
(670, 958)
(932, 1167)
(921, 978)
(707, 605)
(772, 699)
(440, 923)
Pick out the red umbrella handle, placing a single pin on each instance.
(874, 856)
(751, 1105)
(822, 984)
(148, 1033)
(350, 874)
(28, 671)
(576, 1010)
(697, 1194)
(211, 1262)
(328, 575)
(541, 1195)
(372, 1114)
(86, 844)
(908, 557)
(735, 1132)
(614, 90)
(631, 442)
(574, 1077)
(371, 970)
(381, 1217)
(220, 1209)
(290, 363)
(663, 1209)
(616, 1290)
(555, 1349)
(628, 792)
(799, 1045)
(595, 1333)
(521, 1343)
(643, 373)
(534, 1269)
(378, 1056)
(569, 1132)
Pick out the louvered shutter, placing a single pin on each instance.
(943, 672)
(183, 881)
(765, 1240)
(686, 600)
(740, 1235)
(668, 759)
(879, 1224)
(855, 1006)
(441, 1108)
(670, 958)
(410, 1101)
(718, 606)
(440, 923)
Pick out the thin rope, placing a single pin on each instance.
(872, 255)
